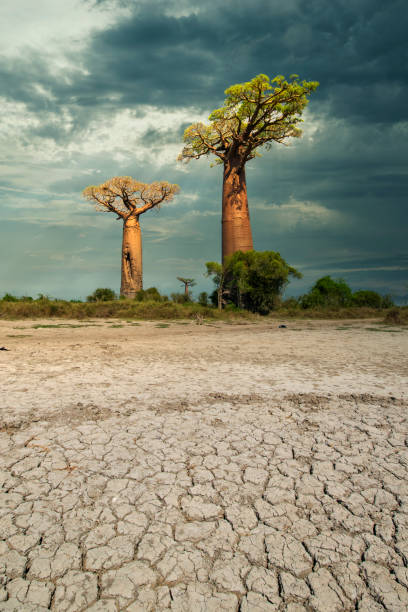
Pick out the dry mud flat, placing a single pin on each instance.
(203, 468)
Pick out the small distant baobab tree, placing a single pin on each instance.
(129, 199)
(255, 114)
(187, 282)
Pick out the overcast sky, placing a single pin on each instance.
(93, 89)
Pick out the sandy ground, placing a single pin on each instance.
(203, 467)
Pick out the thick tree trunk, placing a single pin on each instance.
(236, 226)
(132, 272)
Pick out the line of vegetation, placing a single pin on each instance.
(338, 302)
(12, 307)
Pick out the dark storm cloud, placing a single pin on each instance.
(356, 50)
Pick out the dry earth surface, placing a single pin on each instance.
(203, 467)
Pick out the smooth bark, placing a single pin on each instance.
(236, 226)
(132, 270)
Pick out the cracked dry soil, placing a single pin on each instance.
(201, 468)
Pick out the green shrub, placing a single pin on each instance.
(181, 298)
(387, 301)
(151, 294)
(255, 280)
(101, 295)
(327, 292)
(367, 298)
(203, 298)
(9, 298)
(397, 316)
(291, 303)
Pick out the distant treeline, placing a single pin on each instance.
(325, 293)
(328, 299)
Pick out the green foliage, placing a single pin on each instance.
(330, 293)
(7, 297)
(291, 303)
(217, 272)
(151, 294)
(203, 298)
(327, 292)
(254, 114)
(120, 309)
(214, 297)
(255, 280)
(101, 295)
(181, 298)
(367, 298)
(387, 301)
(131, 310)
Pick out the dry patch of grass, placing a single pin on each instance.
(18, 335)
(397, 316)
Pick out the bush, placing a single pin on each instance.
(255, 280)
(367, 298)
(9, 298)
(101, 295)
(327, 292)
(150, 294)
(387, 301)
(203, 298)
(181, 298)
(291, 303)
(397, 316)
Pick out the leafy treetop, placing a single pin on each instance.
(254, 114)
(125, 196)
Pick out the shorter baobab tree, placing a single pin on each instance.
(187, 282)
(129, 199)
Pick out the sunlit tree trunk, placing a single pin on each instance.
(132, 275)
(236, 226)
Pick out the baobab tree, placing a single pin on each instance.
(187, 282)
(129, 199)
(255, 114)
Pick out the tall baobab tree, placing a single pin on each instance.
(129, 199)
(187, 282)
(254, 115)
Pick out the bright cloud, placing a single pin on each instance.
(293, 213)
(52, 26)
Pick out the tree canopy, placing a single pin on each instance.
(327, 292)
(334, 293)
(254, 114)
(125, 196)
(253, 280)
